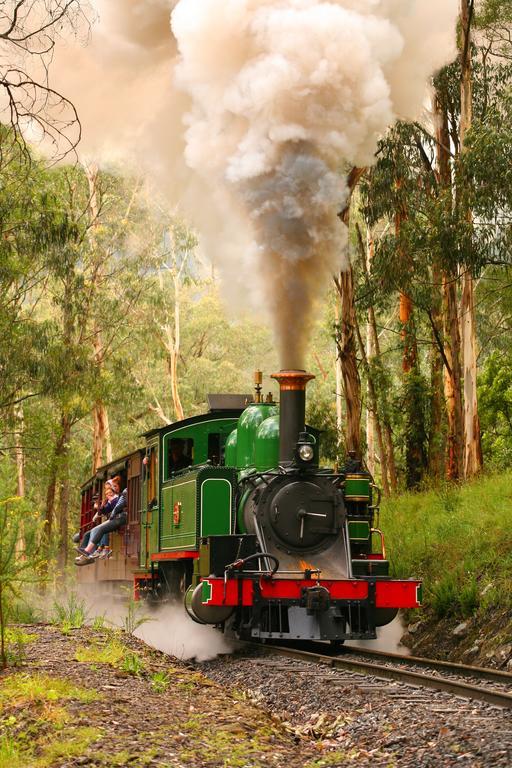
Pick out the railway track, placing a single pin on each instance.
(486, 685)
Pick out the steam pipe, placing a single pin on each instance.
(292, 410)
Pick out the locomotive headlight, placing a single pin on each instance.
(306, 452)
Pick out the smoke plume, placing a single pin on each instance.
(287, 96)
(277, 101)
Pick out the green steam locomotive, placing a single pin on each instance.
(231, 512)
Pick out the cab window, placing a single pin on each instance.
(214, 448)
(180, 454)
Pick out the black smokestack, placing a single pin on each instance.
(292, 410)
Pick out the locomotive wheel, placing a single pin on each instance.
(177, 577)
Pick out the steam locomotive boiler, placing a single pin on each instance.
(258, 538)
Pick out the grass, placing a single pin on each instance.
(107, 652)
(24, 613)
(458, 540)
(134, 617)
(36, 728)
(46, 750)
(132, 664)
(16, 640)
(159, 681)
(111, 652)
(22, 689)
(70, 614)
(70, 743)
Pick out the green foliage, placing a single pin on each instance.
(134, 617)
(23, 611)
(70, 614)
(321, 413)
(414, 404)
(159, 682)
(98, 623)
(457, 541)
(21, 688)
(18, 558)
(132, 664)
(495, 402)
(110, 652)
(16, 640)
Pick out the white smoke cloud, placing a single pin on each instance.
(287, 96)
(277, 100)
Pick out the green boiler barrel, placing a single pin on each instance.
(266, 451)
(230, 449)
(248, 424)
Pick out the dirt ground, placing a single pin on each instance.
(124, 703)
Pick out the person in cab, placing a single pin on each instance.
(178, 459)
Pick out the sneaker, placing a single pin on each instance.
(84, 560)
(105, 554)
(80, 550)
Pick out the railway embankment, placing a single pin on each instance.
(458, 540)
(103, 698)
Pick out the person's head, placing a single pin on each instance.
(177, 448)
(116, 483)
(109, 490)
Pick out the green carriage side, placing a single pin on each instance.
(179, 508)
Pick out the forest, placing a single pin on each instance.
(113, 318)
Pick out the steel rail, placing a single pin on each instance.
(464, 670)
(417, 679)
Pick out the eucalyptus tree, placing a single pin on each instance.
(29, 104)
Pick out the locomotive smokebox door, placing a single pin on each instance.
(298, 515)
(301, 515)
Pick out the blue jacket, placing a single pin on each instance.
(107, 507)
(120, 507)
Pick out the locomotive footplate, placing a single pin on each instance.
(311, 609)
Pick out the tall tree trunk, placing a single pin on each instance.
(175, 351)
(19, 427)
(51, 491)
(64, 495)
(450, 324)
(473, 459)
(436, 440)
(388, 464)
(415, 423)
(453, 381)
(348, 360)
(473, 446)
(101, 443)
(346, 339)
(371, 408)
(339, 381)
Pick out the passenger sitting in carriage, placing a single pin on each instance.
(117, 518)
(111, 494)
